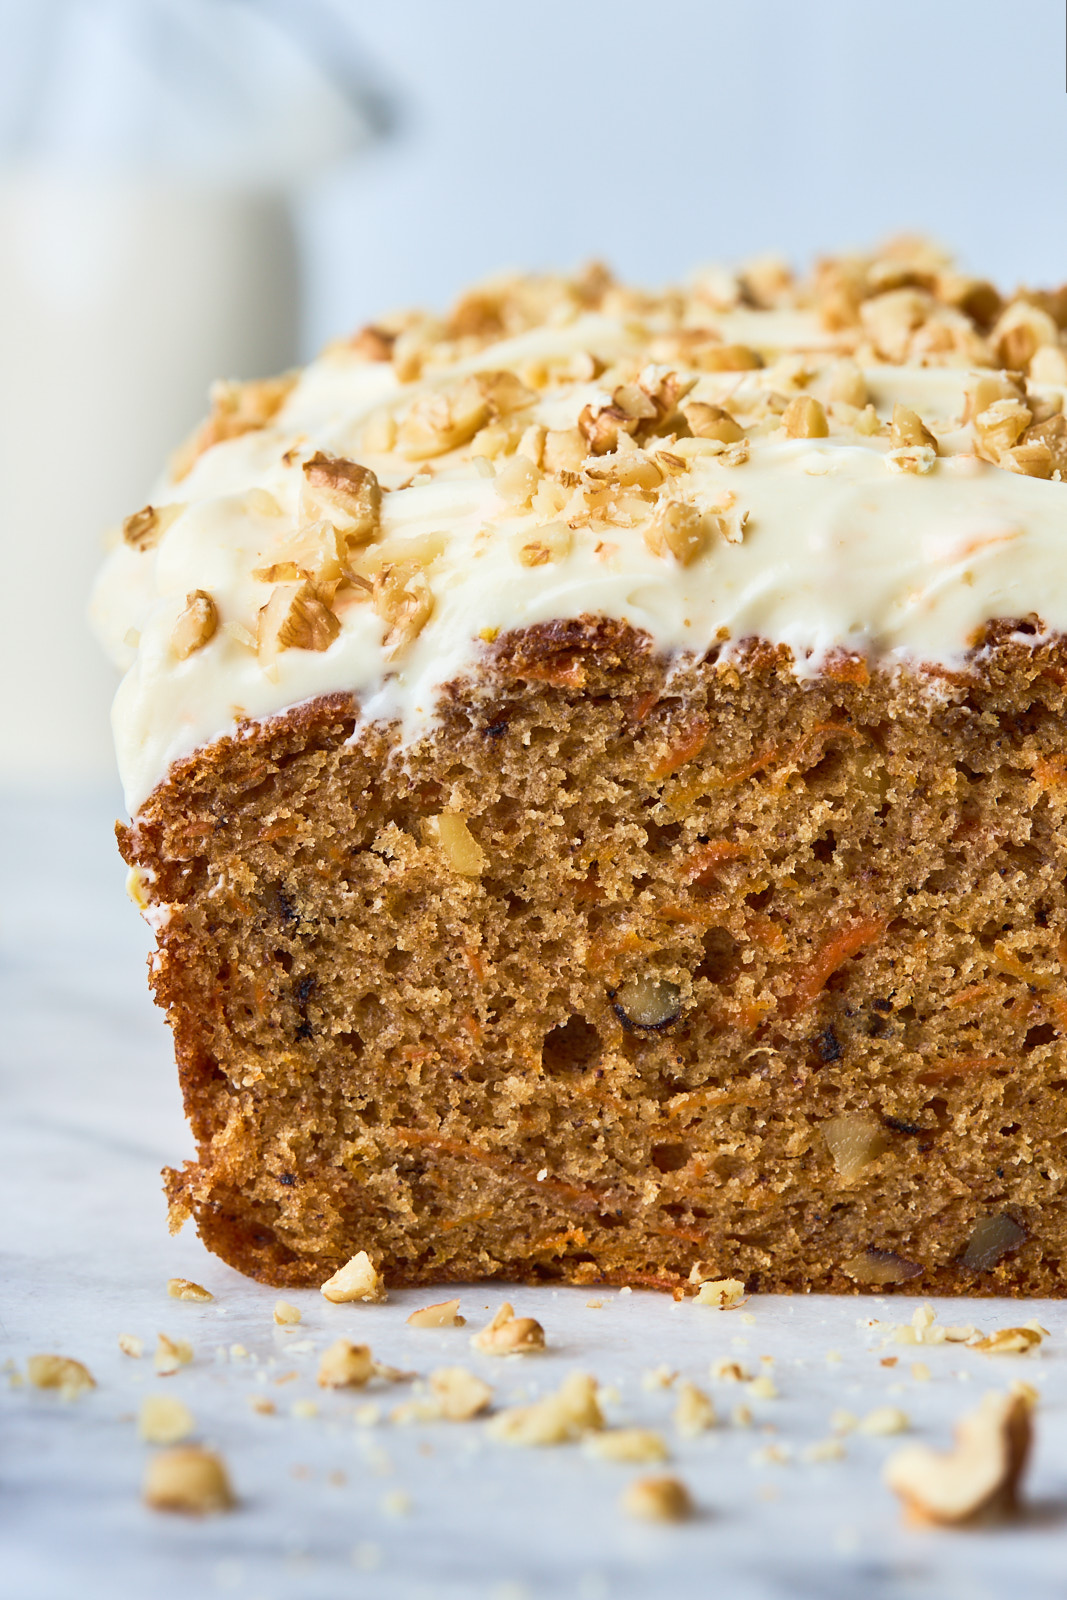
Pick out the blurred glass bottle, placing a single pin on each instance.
(148, 152)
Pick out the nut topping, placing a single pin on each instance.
(404, 600)
(144, 529)
(804, 418)
(679, 529)
(196, 626)
(346, 494)
(296, 617)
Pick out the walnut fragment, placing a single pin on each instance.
(70, 1377)
(345, 1365)
(358, 1279)
(662, 1499)
(444, 1314)
(189, 1480)
(979, 1478)
(509, 1335)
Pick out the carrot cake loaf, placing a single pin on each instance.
(597, 773)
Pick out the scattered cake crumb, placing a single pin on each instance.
(662, 1499)
(188, 1479)
(70, 1377)
(171, 1355)
(634, 1445)
(164, 1420)
(824, 1450)
(885, 1419)
(345, 1365)
(574, 1410)
(694, 1411)
(358, 1279)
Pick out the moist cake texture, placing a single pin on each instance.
(598, 775)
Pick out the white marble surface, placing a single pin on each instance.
(90, 1115)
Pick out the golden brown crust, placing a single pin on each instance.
(847, 894)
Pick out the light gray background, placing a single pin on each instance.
(659, 136)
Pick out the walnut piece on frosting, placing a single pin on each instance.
(344, 493)
(404, 600)
(236, 408)
(677, 528)
(196, 626)
(296, 617)
(144, 529)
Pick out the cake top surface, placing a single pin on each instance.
(869, 460)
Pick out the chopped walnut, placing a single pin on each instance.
(724, 1293)
(694, 1412)
(464, 855)
(345, 1365)
(712, 422)
(891, 319)
(296, 617)
(874, 1266)
(551, 542)
(459, 1395)
(508, 1335)
(804, 418)
(164, 1420)
(1032, 458)
(564, 450)
(1000, 426)
(709, 357)
(517, 481)
(144, 529)
(976, 1480)
(628, 1444)
(678, 528)
(557, 1419)
(663, 1499)
(910, 429)
(853, 1142)
(373, 344)
(1009, 1341)
(445, 1314)
(70, 1377)
(727, 1371)
(1049, 365)
(1052, 433)
(131, 1345)
(286, 1315)
(345, 494)
(843, 382)
(236, 408)
(188, 1479)
(185, 1289)
(358, 1279)
(1021, 330)
(404, 600)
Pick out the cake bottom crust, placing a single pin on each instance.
(631, 972)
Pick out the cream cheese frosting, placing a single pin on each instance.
(704, 468)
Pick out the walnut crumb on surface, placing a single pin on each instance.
(458, 1394)
(286, 1315)
(1010, 1341)
(164, 1420)
(726, 1371)
(885, 1419)
(131, 1345)
(190, 1480)
(444, 1314)
(345, 1365)
(262, 1405)
(724, 1293)
(628, 1444)
(509, 1335)
(571, 1412)
(663, 1499)
(171, 1355)
(358, 1279)
(70, 1377)
(694, 1412)
(975, 1481)
(185, 1289)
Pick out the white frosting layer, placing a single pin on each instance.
(835, 546)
